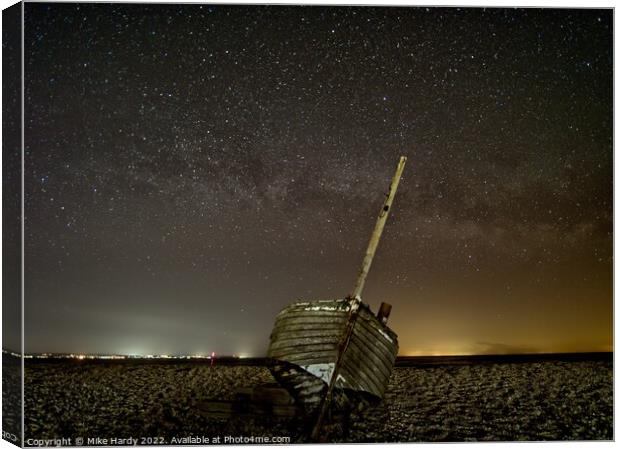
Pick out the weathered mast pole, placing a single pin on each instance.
(376, 234)
(356, 296)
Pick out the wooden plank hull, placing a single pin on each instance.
(304, 347)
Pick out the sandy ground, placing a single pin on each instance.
(491, 401)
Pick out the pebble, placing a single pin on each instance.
(486, 402)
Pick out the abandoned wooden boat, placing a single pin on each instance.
(331, 353)
(305, 346)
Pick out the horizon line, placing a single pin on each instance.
(244, 356)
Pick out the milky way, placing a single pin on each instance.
(192, 169)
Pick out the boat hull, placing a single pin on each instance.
(304, 347)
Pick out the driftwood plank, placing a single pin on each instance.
(215, 409)
(269, 400)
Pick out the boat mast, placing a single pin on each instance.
(355, 297)
(376, 234)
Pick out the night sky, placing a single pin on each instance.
(192, 169)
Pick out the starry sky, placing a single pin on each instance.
(192, 169)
